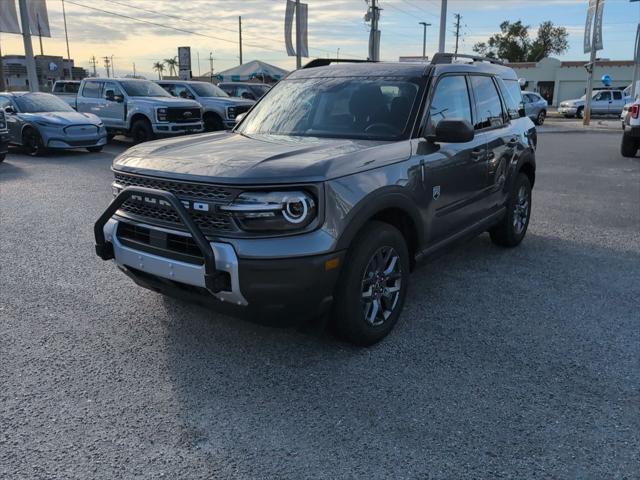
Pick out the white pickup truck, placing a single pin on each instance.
(603, 102)
(138, 108)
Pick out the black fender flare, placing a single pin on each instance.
(526, 161)
(392, 197)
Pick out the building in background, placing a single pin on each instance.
(49, 69)
(557, 81)
(413, 59)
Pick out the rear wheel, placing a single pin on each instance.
(629, 146)
(373, 285)
(110, 136)
(213, 123)
(512, 229)
(141, 131)
(32, 143)
(2, 157)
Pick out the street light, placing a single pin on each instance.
(424, 39)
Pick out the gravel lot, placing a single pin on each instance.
(506, 364)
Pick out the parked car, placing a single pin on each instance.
(535, 106)
(220, 110)
(67, 90)
(138, 108)
(604, 102)
(41, 121)
(248, 91)
(4, 136)
(329, 192)
(631, 131)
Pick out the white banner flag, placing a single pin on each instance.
(38, 18)
(304, 38)
(288, 28)
(591, 11)
(9, 17)
(598, 27)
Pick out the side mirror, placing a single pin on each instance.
(453, 130)
(240, 117)
(118, 98)
(110, 95)
(521, 111)
(9, 109)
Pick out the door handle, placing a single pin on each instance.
(478, 154)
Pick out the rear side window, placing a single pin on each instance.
(71, 87)
(513, 97)
(617, 95)
(58, 88)
(450, 100)
(488, 104)
(91, 90)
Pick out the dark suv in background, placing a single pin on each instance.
(329, 192)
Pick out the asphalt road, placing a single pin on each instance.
(505, 364)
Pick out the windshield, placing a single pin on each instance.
(203, 89)
(143, 88)
(368, 108)
(41, 102)
(259, 89)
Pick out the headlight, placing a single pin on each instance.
(231, 113)
(162, 113)
(273, 211)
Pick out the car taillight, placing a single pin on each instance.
(635, 110)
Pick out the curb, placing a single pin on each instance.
(592, 130)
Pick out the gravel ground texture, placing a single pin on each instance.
(519, 363)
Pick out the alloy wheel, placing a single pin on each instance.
(521, 210)
(381, 285)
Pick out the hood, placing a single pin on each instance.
(166, 101)
(62, 118)
(233, 158)
(574, 102)
(225, 101)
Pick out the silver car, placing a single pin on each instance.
(535, 106)
(41, 121)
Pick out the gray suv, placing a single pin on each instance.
(336, 184)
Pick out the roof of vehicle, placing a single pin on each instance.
(125, 79)
(245, 83)
(67, 81)
(327, 68)
(19, 94)
(179, 81)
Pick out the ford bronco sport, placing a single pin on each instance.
(328, 193)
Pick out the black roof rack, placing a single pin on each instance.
(440, 58)
(323, 62)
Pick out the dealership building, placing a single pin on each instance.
(49, 68)
(557, 81)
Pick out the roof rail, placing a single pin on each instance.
(440, 58)
(323, 62)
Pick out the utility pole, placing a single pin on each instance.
(28, 48)
(113, 67)
(107, 64)
(2, 87)
(66, 36)
(443, 25)
(424, 39)
(240, 36)
(374, 35)
(592, 66)
(134, 69)
(211, 67)
(298, 38)
(199, 71)
(92, 62)
(39, 34)
(458, 17)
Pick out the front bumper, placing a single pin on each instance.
(177, 128)
(567, 110)
(65, 143)
(264, 289)
(630, 131)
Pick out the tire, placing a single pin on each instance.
(2, 157)
(513, 227)
(141, 131)
(95, 149)
(580, 112)
(110, 136)
(32, 143)
(629, 146)
(379, 252)
(213, 123)
(541, 118)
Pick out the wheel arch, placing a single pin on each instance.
(138, 116)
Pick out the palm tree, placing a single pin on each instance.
(159, 67)
(172, 63)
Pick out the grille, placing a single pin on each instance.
(209, 222)
(242, 108)
(177, 115)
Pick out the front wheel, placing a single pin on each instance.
(141, 131)
(541, 118)
(373, 285)
(95, 149)
(32, 143)
(213, 123)
(580, 112)
(629, 146)
(2, 157)
(512, 229)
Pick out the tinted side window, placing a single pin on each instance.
(617, 95)
(450, 100)
(488, 105)
(4, 102)
(513, 97)
(71, 88)
(91, 90)
(58, 88)
(603, 96)
(113, 87)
